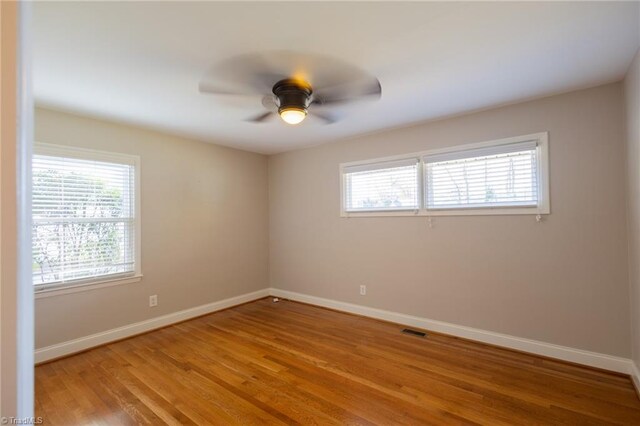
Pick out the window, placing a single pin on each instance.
(385, 186)
(85, 217)
(508, 176)
(498, 176)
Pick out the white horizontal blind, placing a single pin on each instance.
(385, 186)
(83, 219)
(497, 176)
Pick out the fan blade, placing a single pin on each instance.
(328, 118)
(261, 117)
(248, 74)
(257, 72)
(210, 87)
(270, 103)
(345, 93)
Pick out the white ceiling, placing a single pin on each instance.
(141, 63)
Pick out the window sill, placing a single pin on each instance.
(87, 286)
(495, 211)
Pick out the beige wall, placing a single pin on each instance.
(632, 97)
(204, 227)
(563, 281)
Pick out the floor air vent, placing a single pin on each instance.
(414, 332)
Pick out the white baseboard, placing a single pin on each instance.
(578, 356)
(635, 377)
(84, 343)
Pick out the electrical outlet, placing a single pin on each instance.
(153, 300)
(363, 290)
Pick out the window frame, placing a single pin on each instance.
(542, 163)
(394, 212)
(85, 284)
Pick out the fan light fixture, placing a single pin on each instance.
(293, 115)
(293, 99)
(306, 85)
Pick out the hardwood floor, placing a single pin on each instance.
(288, 363)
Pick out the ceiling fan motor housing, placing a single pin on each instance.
(292, 94)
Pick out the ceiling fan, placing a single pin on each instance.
(291, 85)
